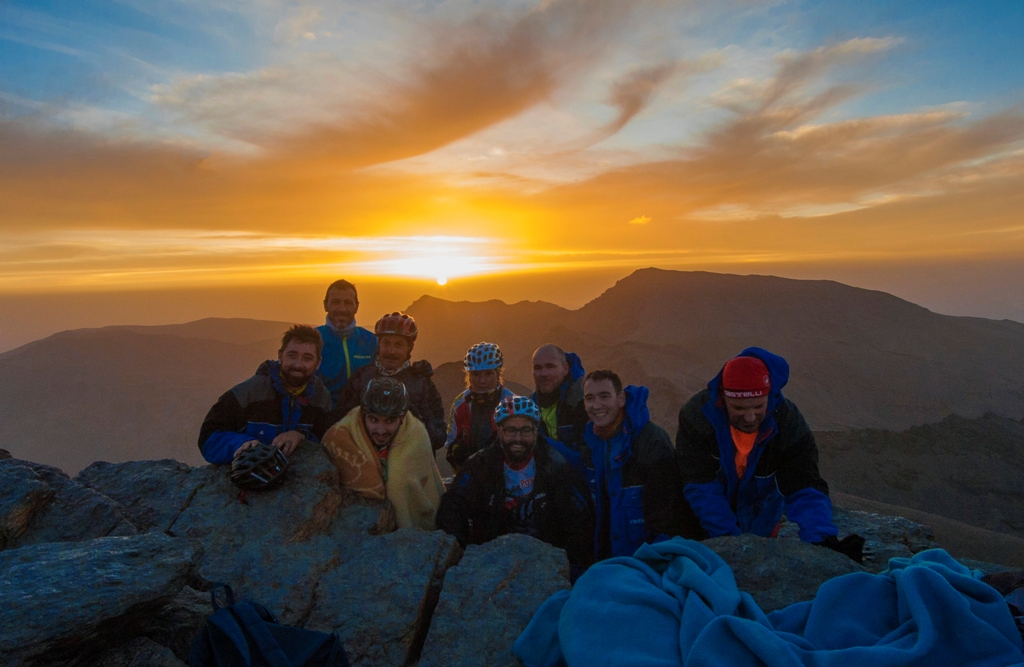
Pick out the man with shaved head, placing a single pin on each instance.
(558, 376)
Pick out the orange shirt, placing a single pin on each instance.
(744, 442)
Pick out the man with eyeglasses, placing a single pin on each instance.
(520, 484)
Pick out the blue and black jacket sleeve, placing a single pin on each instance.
(700, 470)
(223, 430)
(800, 482)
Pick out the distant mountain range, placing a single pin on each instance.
(860, 360)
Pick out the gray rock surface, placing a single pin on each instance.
(779, 572)
(885, 537)
(176, 625)
(153, 493)
(489, 598)
(74, 513)
(139, 652)
(381, 593)
(312, 553)
(22, 496)
(60, 602)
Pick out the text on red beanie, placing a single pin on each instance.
(745, 377)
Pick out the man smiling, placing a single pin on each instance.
(629, 462)
(520, 484)
(347, 347)
(396, 334)
(746, 455)
(282, 405)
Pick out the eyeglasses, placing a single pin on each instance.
(525, 432)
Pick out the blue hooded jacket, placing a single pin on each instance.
(787, 482)
(343, 355)
(621, 467)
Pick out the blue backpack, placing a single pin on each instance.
(246, 634)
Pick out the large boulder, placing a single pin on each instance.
(74, 513)
(779, 572)
(315, 555)
(152, 493)
(489, 598)
(382, 592)
(22, 496)
(65, 601)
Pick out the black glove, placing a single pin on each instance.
(851, 546)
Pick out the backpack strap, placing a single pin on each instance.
(228, 594)
(256, 627)
(224, 621)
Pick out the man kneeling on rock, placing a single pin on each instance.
(746, 455)
(383, 451)
(282, 405)
(520, 484)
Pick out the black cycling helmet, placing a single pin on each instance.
(385, 396)
(260, 467)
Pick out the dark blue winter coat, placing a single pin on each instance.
(782, 469)
(344, 355)
(571, 415)
(260, 409)
(634, 481)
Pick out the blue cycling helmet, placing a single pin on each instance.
(516, 406)
(483, 357)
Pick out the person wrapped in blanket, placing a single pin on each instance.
(746, 456)
(383, 451)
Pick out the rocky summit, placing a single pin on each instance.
(113, 568)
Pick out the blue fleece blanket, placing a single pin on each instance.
(676, 603)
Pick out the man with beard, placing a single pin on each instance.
(520, 484)
(559, 379)
(347, 347)
(396, 333)
(629, 463)
(471, 425)
(746, 456)
(382, 452)
(282, 405)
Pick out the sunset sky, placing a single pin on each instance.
(159, 159)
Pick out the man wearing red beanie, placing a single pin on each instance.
(746, 456)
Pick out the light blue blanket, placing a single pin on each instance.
(676, 603)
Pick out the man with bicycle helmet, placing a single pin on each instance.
(471, 425)
(383, 452)
(520, 484)
(396, 333)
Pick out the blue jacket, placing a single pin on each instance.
(260, 409)
(782, 469)
(633, 479)
(342, 356)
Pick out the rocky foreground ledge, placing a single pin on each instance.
(108, 569)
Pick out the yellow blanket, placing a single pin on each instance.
(414, 485)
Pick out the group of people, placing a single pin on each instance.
(578, 464)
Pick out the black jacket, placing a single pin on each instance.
(782, 469)
(472, 509)
(260, 409)
(424, 399)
